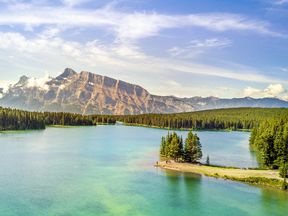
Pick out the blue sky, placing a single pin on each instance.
(218, 48)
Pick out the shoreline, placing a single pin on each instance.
(185, 129)
(267, 178)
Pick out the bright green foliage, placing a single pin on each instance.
(271, 140)
(172, 147)
(283, 170)
(192, 149)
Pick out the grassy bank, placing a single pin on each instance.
(269, 178)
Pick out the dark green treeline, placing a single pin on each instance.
(231, 119)
(172, 147)
(271, 141)
(13, 119)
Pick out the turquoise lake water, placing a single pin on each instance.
(108, 170)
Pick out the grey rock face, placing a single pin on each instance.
(89, 93)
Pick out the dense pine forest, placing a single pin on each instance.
(13, 119)
(271, 141)
(231, 119)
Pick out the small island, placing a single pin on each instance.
(185, 158)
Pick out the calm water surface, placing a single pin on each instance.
(108, 170)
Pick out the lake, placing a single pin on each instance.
(108, 170)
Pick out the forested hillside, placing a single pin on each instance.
(233, 119)
(13, 119)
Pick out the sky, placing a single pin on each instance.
(185, 48)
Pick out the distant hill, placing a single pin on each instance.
(89, 93)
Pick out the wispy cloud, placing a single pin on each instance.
(210, 43)
(127, 25)
(197, 47)
(123, 56)
(280, 2)
(71, 3)
(228, 73)
(4, 86)
(49, 41)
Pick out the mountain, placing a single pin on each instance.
(89, 93)
(200, 103)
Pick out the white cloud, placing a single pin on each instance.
(50, 32)
(4, 86)
(72, 3)
(233, 73)
(93, 53)
(127, 25)
(210, 43)
(252, 92)
(273, 90)
(115, 56)
(197, 47)
(185, 52)
(285, 97)
(280, 2)
(39, 82)
(284, 69)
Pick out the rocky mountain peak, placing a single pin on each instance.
(89, 93)
(22, 81)
(68, 72)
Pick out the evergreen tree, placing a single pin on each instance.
(208, 160)
(163, 147)
(192, 149)
(172, 146)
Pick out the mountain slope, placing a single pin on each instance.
(89, 93)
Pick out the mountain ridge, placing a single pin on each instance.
(89, 93)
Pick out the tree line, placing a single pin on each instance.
(172, 147)
(13, 119)
(270, 140)
(231, 119)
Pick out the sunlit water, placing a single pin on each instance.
(108, 170)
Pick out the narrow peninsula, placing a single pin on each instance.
(185, 158)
